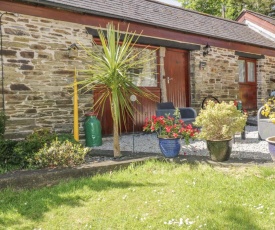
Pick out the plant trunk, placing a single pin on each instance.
(116, 141)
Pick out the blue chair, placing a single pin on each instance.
(188, 114)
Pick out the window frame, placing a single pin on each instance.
(246, 61)
(150, 47)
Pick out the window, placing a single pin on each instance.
(241, 70)
(251, 71)
(247, 70)
(145, 75)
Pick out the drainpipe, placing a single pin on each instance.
(2, 62)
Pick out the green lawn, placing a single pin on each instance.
(156, 195)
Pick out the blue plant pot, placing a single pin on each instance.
(271, 147)
(169, 147)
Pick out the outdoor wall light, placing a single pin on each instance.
(206, 50)
(73, 50)
(2, 62)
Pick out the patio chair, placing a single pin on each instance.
(188, 114)
(265, 126)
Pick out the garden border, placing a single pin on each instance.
(30, 179)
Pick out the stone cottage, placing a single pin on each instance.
(198, 55)
(265, 26)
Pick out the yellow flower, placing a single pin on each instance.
(269, 109)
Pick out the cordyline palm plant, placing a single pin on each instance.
(111, 61)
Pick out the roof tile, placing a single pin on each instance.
(163, 15)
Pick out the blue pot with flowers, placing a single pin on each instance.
(170, 131)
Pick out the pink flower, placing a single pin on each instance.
(168, 129)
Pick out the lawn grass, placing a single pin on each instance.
(156, 195)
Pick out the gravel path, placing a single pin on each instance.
(250, 148)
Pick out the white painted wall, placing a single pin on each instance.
(171, 2)
(260, 30)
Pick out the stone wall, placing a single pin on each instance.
(38, 71)
(265, 73)
(216, 74)
(219, 77)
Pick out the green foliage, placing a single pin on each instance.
(269, 109)
(8, 158)
(26, 149)
(220, 121)
(232, 8)
(66, 137)
(19, 154)
(60, 153)
(170, 127)
(3, 119)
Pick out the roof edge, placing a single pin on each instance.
(59, 5)
(254, 13)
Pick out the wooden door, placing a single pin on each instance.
(145, 108)
(176, 76)
(247, 83)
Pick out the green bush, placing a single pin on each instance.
(60, 154)
(3, 119)
(64, 136)
(25, 150)
(7, 155)
(20, 154)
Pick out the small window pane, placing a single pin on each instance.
(241, 70)
(146, 73)
(251, 71)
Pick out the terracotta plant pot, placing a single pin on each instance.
(219, 150)
(271, 147)
(170, 147)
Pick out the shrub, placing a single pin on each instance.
(3, 119)
(20, 154)
(7, 155)
(220, 121)
(65, 136)
(60, 154)
(26, 149)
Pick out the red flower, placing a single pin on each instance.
(170, 127)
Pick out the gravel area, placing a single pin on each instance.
(250, 148)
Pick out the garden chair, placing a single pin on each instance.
(188, 114)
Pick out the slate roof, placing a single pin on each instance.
(164, 15)
(261, 16)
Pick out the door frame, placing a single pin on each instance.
(246, 82)
(187, 72)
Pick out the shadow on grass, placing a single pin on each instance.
(34, 204)
(241, 219)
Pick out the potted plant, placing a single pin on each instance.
(170, 129)
(268, 110)
(219, 122)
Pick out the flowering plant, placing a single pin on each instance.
(220, 121)
(269, 109)
(170, 127)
